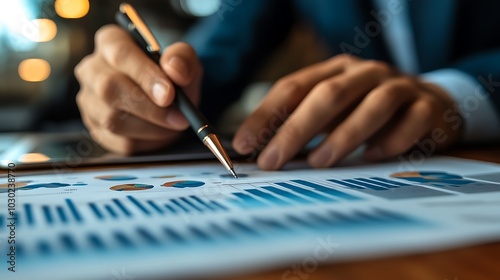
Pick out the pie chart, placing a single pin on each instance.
(116, 177)
(184, 184)
(131, 187)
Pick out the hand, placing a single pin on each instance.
(354, 101)
(125, 98)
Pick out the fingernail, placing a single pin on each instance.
(176, 120)
(179, 65)
(160, 93)
(269, 158)
(374, 153)
(321, 157)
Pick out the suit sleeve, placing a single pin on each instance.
(233, 44)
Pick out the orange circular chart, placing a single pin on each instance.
(116, 177)
(131, 187)
(184, 184)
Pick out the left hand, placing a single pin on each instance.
(354, 101)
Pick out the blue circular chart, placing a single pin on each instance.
(116, 177)
(184, 184)
(131, 187)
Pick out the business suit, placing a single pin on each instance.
(235, 42)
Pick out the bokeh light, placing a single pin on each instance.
(200, 8)
(34, 158)
(44, 30)
(72, 8)
(34, 70)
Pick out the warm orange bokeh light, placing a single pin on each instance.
(33, 158)
(34, 70)
(72, 8)
(45, 30)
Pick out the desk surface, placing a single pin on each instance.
(474, 262)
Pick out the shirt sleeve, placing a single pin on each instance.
(481, 121)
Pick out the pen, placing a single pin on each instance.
(131, 21)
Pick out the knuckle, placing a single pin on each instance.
(80, 67)
(425, 109)
(103, 33)
(119, 53)
(106, 86)
(344, 58)
(287, 87)
(80, 99)
(377, 66)
(331, 92)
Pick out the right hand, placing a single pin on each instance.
(125, 98)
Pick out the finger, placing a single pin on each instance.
(323, 105)
(282, 99)
(119, 50)
(122, 123)
(399, 138)
(183, 67)
(113, 89)
(376, 109)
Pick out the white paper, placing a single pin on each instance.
(80, 226)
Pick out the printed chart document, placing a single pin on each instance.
(195, 219)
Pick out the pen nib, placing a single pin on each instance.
(234, 173)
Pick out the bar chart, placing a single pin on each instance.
(180, 215)
(389, 189)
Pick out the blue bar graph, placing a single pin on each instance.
(218, 205)
(122, 239)
(147, 236)
(96, 211)
(307, 193)
(68, 242)
(74, 211)
(62, 214)
(242, 227)
(367, 185)
(178, 204)
(171, 209)
(156, 207)
(387, 189)
(248, 201)
(111, 211)
(96, 241)
(381, 182)
(288, 195)
(206, 205)
(43, 247)
(199, 234)
(192, 205)
(47, 214)
(174, 235)
(139, 205)
(122, 207)
(268, 197)
(327, 190)
(29, 214)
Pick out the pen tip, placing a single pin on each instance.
(234, 174)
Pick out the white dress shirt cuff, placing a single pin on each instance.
(481, 122)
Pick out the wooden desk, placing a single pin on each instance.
(476, 262)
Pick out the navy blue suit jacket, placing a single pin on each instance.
(235, 42)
